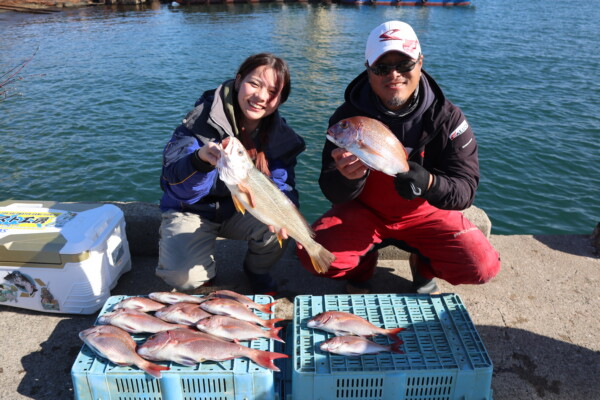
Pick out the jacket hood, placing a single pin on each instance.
(361, 96)
(283, 142)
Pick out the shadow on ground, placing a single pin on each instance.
(523, 367)
(579, 245)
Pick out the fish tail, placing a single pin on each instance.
(395, 347)
(321, 259)
(393, 334)
(270, 323)
(266, 358)
(151, 368)
(273, 334)
(266, 308)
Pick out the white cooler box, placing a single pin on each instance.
(60, 257)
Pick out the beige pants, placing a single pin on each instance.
(187, 247)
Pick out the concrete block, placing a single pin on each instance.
(142, 222)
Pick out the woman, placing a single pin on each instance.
(197, 206)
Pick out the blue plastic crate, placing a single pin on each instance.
(95, 378)
(444, 357)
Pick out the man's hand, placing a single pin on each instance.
(413, 183)
(348, 164)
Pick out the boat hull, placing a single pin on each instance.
(427, 3)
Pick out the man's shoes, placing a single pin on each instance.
(261, 283)
(421, 285)
(353, 287)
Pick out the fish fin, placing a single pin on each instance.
(280, 240)
(368, 149)
(238, 205)
(187, 361)
(131, 328)
(152, 369)
(395, 347)
(273, 334)
(321, 260)
(267, 308)
(243, 188)
(361, 143)
(270, 323)
(265, 358)
(393, 334)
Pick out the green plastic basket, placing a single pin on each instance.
(444, 357)
(95, 378)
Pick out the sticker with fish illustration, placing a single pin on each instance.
(8, 293)
(23, 282)
(48, 301)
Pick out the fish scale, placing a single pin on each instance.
(187, 347)
(253, 191)
(372, 142)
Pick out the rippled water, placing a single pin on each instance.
(108, 85)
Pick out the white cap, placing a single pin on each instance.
(392, 36)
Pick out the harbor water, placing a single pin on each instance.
(96, 104)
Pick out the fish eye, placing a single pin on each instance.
(344, 124)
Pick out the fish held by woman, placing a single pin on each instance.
(253, 191)
(372, 142)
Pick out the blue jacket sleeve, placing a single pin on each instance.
(285, 179)
(184, 178)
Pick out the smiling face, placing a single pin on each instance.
(395, 89)
(259, 95)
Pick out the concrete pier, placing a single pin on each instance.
(538, 318)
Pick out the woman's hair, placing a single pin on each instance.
(282, 73)
(277, 64)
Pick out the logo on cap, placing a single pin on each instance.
(394, 34)
(390, 35)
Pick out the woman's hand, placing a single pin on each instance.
(209, 153)
(283, 235)
(348, 164)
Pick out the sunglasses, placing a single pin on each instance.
(403, 67)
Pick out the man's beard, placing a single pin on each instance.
(396, 102)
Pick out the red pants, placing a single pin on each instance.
(449, 246)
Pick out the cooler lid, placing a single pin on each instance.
(42, 249)
(51, 233)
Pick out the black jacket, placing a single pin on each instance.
(191, 185)
(446, 145)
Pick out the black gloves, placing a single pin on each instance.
(413, 183)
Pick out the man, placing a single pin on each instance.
(419, 210)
